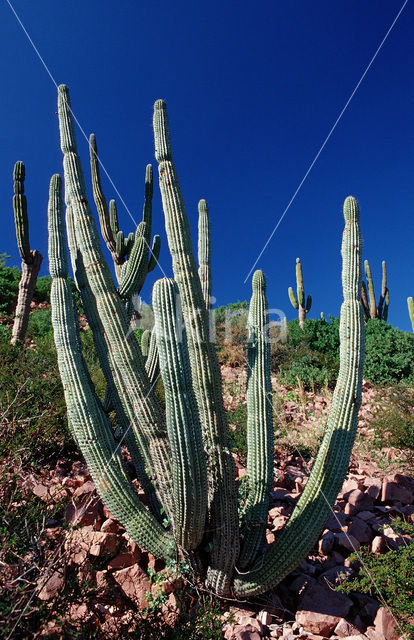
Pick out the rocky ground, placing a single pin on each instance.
(84, 542)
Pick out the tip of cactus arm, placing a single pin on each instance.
(351, 209)
(160, 105)
(202, 206)
(258, 281)
(297, 260)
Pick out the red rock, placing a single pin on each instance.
(360, 530)
(398, 487)
(320, 609)
(124, 559)
(270, 537)
(110, 526)
(374, 486)
(264, 617)
(378, 545)
(134, 583)
(336, 521)
(349, 485)
(84, 514)
(344, 629)
(80, 543)
(246, 632)
(41, 491)
(86, 487)
(386, 624)
(326, 543)
(52, 586)
(358, 501)
(279, 522)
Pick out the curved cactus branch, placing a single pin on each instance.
(259, 425)
(204, 252)
(87, 418)
(331, 463)
(410, 303)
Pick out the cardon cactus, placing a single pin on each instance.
(31, 259)
(299, 301)
(182, 458)
(371, 309)
(410, 303)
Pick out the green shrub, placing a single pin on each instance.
(391, 575)
(389, 353)
(42, 289)
(40, 323)
(318, 335)
(9, 282)
(313, 369)
(238, 437)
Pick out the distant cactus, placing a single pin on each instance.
(299, 302)
(410, 303)
(371, 309)
(31, 260)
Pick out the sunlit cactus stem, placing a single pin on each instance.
(410, 303)
(31, 260)
(371, 309)
(204, 252)
(259, 426)
(299, 301)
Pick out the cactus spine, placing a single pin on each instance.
(299, 301)
(186, 453)
(410, 303)
(371, 309)
(31, 260)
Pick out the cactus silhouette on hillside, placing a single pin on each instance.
(371, 309)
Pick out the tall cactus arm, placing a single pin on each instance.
(299, 284)
(364, 300)
(308, 304)
(113, 218)
(386, 306)
(189, 471)
(222, 499)
(384, 290)
(21, 221)
(371, 293)
(410, 303)
(152, 363)
(259, 426)
(137, 447)
(204, 252)
(145, 342)
(292, 298)
(99, 197)
(155, 253)
(136, 267)
(331, 463)
(31, 260)
(138, 399)
(91, 426)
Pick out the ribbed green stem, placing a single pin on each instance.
(329, 469)
(91, 426)
(410, 303)
(222, 499)
(139, 402)
(189, 471)
(152, 363)
(298, 301)
(371, 294)
(31, 260)
(259, 425)
(204, 253)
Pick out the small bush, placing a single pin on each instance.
(389, 353)
(391, 575)
(42, 289)
(40, 323)
(9, 282)
(314, 370)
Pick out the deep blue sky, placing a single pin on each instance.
(252, 92)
